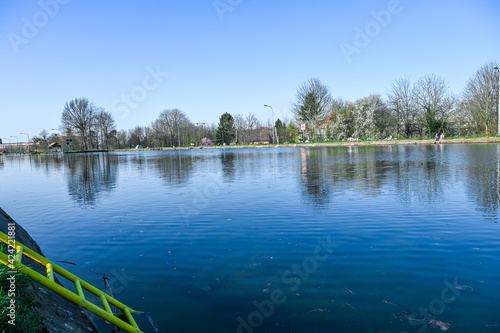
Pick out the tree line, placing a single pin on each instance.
(409, 110)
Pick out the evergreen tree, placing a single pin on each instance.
(225, 131)
(313, 102)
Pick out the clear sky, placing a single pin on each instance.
(206, 57)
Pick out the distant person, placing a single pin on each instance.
(436, 138)
(441, 137)
(388, 138)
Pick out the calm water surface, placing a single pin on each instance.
(347, 239)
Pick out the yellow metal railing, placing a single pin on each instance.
(14, 262)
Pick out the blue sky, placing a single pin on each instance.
(234, 57)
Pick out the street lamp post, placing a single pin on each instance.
(17, 141)
(29, 151)
(498, 70)
(274, 128)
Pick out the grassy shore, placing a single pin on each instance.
(27, 318)
(400, 141)
(403, 141)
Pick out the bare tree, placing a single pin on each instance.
(246, 127)
(149, 136)
(122, 138)
(172, 128)
(136, 136)
(239, 126)
(78, 115)
(252, 122)
(434, 102)
(44, 134)
(480, 100)
(460, 122)
(105, 125)
(403, 103)
(313, 101)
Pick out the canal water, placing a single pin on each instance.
(343, 239)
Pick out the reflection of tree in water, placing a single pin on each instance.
(487, 187)
(364, 167)
(416, 174)
(421, 174)
(483, 181)
(49, 163)
(315, 187)
(228, 165)
(238, 164)
(429, 173)
(175, 167)
(89, 175)
(326, 171)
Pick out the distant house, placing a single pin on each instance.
(54, 146)
(328, 120)
(324, 124)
